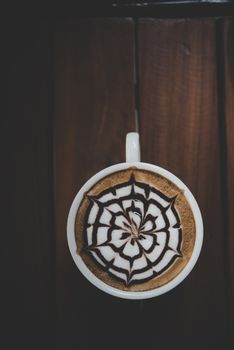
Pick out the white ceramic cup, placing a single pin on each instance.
(133, 159)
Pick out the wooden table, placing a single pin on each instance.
(69, 102)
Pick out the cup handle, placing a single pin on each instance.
(132, 147)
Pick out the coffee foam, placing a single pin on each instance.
(135, 230)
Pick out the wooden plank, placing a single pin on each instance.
(229, 109)
(179, 131)
(94, 109)
(27, 253)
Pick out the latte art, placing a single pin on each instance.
(132, 231)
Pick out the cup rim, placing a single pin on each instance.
(94, 279)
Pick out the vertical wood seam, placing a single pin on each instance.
(136, 73)
(222, 122)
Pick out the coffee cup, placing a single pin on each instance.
(134, 229)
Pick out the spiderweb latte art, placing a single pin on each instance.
(132, 231)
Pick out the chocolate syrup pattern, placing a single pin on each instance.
(133, 231)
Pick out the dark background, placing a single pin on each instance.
(69, 99)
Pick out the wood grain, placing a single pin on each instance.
(69, 102)
(179, 131)
(94, 109)
(229, 109)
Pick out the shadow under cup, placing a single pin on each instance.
(135, 230)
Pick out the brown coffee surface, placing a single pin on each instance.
(141, 233)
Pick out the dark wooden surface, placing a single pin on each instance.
(179, 131)
(94, 109)
(69, 101)
(229, 121)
